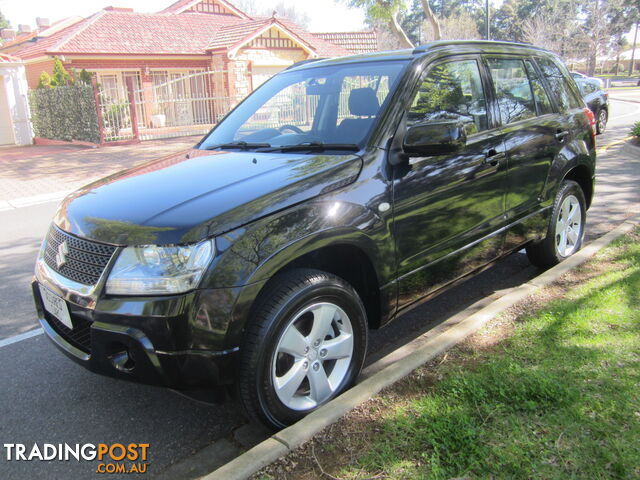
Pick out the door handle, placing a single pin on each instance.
(561, 134)
(493, 157)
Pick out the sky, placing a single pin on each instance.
(325, 15)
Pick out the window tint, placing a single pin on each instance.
(558, 83)
(451, 92)
(540, 96)
(365, 92)
(513, 92)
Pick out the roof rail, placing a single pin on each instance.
(302, 62)
(423, 48)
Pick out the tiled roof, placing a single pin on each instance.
(20, 38)
(38, 47)
(322, 47)
(355, 42)
(182, 5)
(40, 32)
(4, 58)
(118, 32)
(230, 35)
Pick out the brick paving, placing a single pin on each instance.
(40, 170)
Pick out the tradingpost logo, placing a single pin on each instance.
(111, 458)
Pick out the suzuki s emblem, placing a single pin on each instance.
(61, 256)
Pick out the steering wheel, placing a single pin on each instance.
(290, 127)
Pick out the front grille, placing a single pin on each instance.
(84, 261)
(79, 336)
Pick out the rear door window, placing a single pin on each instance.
(543, 104)
(513, 91)
(558, 83)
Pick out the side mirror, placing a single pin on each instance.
(438, 138)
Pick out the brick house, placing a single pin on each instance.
(162, 51)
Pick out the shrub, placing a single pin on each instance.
(65, 113)
(635, 130)
(45, 80)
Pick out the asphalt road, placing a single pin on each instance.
(46, 398)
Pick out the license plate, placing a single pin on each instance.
(56, 306)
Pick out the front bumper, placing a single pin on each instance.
(154, 340)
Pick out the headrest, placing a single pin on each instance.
(363, 102)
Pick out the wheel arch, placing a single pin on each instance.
(581, 174)
(349, 260)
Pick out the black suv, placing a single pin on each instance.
(334, 197)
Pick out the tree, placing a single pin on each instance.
(60, 77)
(85, 77)
(4, 23)
(542, 31)
(44, 81)
(431, 18)
(292, 13)
(281, 9)
(390, 13)
(604, 21)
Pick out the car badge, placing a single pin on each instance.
(61, 256)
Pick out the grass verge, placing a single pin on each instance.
(551, 389)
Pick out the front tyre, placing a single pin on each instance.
(304, 346)
(566, 228)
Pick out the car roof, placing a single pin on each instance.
(441, 46)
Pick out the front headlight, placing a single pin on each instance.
(155, 270)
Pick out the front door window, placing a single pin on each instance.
(451, 92)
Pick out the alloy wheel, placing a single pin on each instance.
(568, 226)
(313, 356)
(602, 121)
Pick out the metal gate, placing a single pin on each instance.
(175, 105)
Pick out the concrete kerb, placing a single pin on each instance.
(281, 443)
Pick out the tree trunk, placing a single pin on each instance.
(591, 64)
(432, 19)
(397, 30)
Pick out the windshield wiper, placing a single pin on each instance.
(239, 145)
(315, 146)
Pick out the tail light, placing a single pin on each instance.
(592, 121)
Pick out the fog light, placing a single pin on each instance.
(122, 361)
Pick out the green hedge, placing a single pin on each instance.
(65, 113)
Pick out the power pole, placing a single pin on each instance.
(633, 50)
(486, 20)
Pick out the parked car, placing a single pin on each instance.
(598, 102)
(262, 257)
(582, 76)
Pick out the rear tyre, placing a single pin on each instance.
(601, 121)
(566, 228)
(304, 345)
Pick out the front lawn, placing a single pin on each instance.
(551, 390)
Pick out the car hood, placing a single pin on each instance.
(193, 195)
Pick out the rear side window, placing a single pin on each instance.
(513, 92)
(543, 104)
(451, 92)
(559, 85)
(586, 88)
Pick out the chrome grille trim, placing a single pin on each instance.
(84, 260)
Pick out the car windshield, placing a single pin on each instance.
(314, 108)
